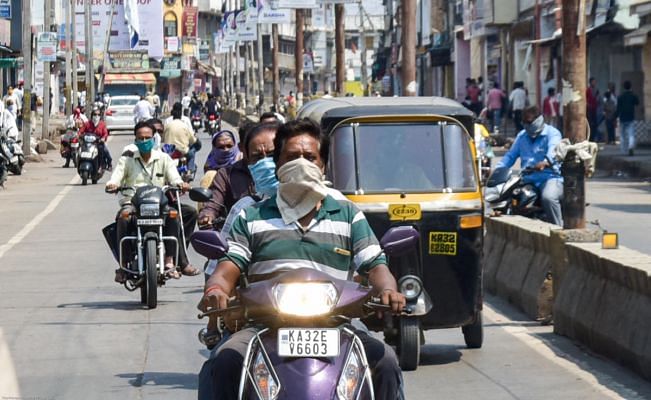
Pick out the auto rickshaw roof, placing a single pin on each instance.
(329, 112)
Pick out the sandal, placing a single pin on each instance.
(171, 271)
(189, 270)
(120, 276)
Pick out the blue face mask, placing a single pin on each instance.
(145, 146)
(264, 176)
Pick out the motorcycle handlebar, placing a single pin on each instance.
(132, 188)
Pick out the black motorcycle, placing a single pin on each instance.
(90, 164)
(145, 267)
(506, 193)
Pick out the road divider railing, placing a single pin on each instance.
(599, 297)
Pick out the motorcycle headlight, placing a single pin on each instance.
(150, 210)
(305, 299)
(410, 286)
(351, 378)
(265, 383)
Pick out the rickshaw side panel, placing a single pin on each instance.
(453, 282)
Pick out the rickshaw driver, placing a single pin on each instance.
(535, 146)
(300, 155)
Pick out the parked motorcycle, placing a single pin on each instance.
(214, 124)
(12, 153)
(181, 162)
(305, 348)
(196, 121)
(146, 262)
(507, 193)
(90, 164)
(70, 147)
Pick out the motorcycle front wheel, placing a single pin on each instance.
(152, 273)
(84, 178)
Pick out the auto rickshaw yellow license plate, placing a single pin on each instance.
(404, 212)
(443, 243)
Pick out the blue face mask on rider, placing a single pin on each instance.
(264, 176)
(145, 146)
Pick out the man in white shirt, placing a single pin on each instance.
(184, 118)
(517, 103)
(185, 102)
(143, 110)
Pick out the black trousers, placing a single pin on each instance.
(220, 375)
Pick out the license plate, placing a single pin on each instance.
(303, 342)
(86, 154)
(74, 145)
(404, 212)
(443, 243)
(158, 221)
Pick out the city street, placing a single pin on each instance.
(69, 332)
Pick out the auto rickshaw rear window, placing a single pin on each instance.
(401, 157)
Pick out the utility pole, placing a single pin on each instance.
(339, 48)
(45, 125)
(69, 45)
(107, 42)
(27, 78)
(238, 97)
(260, 72)
(252, 73)
(75, 66)
(408, 44)
(247, 76)
(274, 61)
(88, 21)
(574, 110)
(362, 50)
(298, 56)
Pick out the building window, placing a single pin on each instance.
(170, 26)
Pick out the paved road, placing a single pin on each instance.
(68, 332)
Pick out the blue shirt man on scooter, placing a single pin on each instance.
(535, 146)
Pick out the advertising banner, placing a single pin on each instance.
(46, 46)
(150, 35)
(129, 59)
(296, 3)
(190, 18)
(269, 13)
(247, 29)
(171, 67)
(230, 28)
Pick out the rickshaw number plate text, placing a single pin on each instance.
(404, 212)
(301, 342)
(443, 243)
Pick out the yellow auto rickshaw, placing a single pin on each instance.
(410, 163)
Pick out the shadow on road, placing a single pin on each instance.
(440, 354)
(169, 380)
(111, 305)
(626, 208)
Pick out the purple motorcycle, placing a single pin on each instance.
(306, 349)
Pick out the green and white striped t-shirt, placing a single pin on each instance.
(338, 239)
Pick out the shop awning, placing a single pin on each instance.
(147, 78)
(206, 68)
(638, 37)
(8, 62)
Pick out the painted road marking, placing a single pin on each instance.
(27, 229)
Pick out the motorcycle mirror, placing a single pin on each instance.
(210, 244)
(200, 194)
(399, 240)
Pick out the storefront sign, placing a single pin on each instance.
(296, 3)
(129, 59)
(190, 16)
(171, 67)
(204, 50)
(172, 44)
(5, 9)
(269, 13)
(246, 28)
(46, 46)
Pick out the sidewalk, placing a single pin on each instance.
(611, 161)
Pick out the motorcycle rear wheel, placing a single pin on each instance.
(84, 178)
(152, 273)
(473, 334)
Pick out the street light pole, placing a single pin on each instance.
(298, 56)
(73, 46)
(339, 48)
(260, 71)
(27, 78)
(274, 61)
(68, 94)
(574, 110)
(45, 132)
(88, 21)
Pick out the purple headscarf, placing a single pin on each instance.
(219, 158)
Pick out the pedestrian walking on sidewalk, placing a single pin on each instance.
(517, 103)
(551, 108)
(610, 115)
(626, 103)
(592, 106)
(495, 103)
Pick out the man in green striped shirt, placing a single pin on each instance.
(303, 226)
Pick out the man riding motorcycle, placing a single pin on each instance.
(97, 126)
(303, 221)
(177, 133)
(535, 146)
(148, 166)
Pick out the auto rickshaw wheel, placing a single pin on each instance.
(409, 343)
(473, 334)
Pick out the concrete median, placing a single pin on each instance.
(602, 298)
